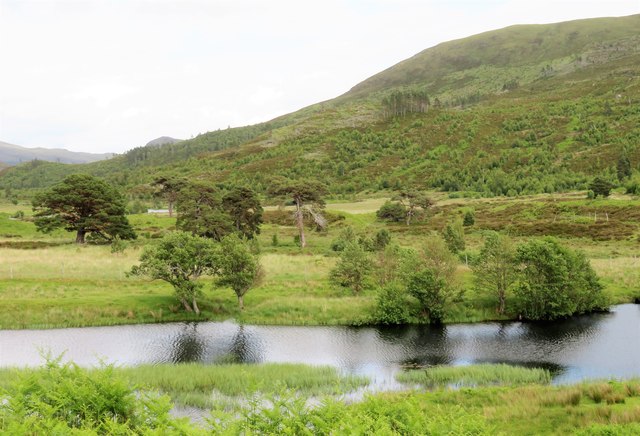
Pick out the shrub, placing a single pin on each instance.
(432, 294)
(66, 399)
(454, 237)
(392, 306)
(469, 218)
(555, 282)
(600, 187)
(353, 269)
(392, 211)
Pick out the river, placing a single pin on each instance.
(605, 345)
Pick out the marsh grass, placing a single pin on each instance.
(475, 375)
(205, 385)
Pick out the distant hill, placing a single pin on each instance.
(520, 110)
(11, 154)
(163, 140)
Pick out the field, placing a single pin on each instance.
(48, 281)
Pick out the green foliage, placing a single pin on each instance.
(494, 269)
(118, 245)
(353, 269)
(66, 399)
(243, 205)
(415, 202)
(201, 212)
(239, 268)
(381, 240)
(307, 196)
(555, 282)
(600, 187)
(623, 167)
(83, 204)
(454, 236)
(180, 259)
(392, 211)
(432, 292)
(475, 375)
(376, 415)
(469, 218)
(393, 306)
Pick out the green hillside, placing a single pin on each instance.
(525, 109)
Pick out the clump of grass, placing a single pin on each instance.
(198, 384)
(475, 375)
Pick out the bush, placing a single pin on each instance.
(392, 306)
(469, 218)
(67, 399)
(354, 268)
(381, 240)
(432, 293)
(454, 237)
(600, 187)
(392, 211)
(555, 282)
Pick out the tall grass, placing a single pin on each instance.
(475, 375)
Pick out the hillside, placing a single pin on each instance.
(525, 109)
(11, 154)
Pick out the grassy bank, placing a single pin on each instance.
(47, 281)
(282, 407)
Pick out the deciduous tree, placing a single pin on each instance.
(494, 270)
(239, 268)
(180, 259)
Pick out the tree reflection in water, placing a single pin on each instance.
(188, 345)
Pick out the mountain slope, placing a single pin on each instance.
(519, 110)
(14, 154)
(523, 52)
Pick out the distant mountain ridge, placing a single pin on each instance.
(11, 154)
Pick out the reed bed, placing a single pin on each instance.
(475, 375)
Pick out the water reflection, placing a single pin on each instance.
(601, 345)
(188, 345)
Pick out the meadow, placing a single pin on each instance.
(48, 281)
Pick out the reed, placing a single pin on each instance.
(475, 375)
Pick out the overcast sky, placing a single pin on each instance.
(110, 75)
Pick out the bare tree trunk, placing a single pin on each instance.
(186, 305)
(80, 236)
(502, 303)
(300, 224)
(170, 208)
(195, 306)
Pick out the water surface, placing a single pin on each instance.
(592, 346)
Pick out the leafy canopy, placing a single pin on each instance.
(84, 204)
(180, 259)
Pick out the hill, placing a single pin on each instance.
(525, 109)
(163, 140)
(14, 154)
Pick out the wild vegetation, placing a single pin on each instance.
(64, 398)
(491, 178)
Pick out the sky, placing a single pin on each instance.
(110, 75)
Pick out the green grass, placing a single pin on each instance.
(61, 284)
(475, 375)
(274, 399)
(200, 385)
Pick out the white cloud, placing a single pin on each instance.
(109, 75)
